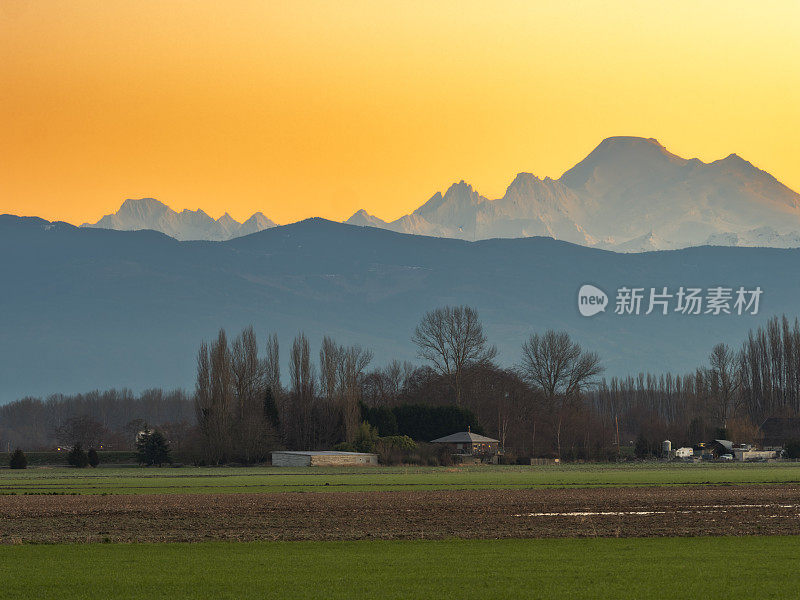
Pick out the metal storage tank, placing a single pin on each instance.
(666, 446)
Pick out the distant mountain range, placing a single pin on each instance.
(85, 308)
(630, 195)
(148, 213)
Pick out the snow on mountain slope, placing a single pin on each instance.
(148, 213)
(759, 237)
(629, 194)
(639, 187)
(257, 222)
(364, 219)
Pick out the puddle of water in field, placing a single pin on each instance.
(595, 514)
(719, 508)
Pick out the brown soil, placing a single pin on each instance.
(683, 511)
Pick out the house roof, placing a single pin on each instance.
(463, 437)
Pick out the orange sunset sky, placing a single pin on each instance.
(305, 109)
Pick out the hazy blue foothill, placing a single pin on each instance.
(84, 308)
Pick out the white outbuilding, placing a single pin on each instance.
(322, 458)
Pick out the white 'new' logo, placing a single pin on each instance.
(591, 300)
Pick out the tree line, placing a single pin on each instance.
(729, 397)
(552, 402)
(110, 418)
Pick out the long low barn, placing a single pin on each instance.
(322, 458)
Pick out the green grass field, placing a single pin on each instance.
(749, 567)
(135, 480)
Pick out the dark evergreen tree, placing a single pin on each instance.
(152, 448)
(271, 409)
(18, 460)
(77, 457)
(792, 449)
(425, 423)
(380, 417)
(642, 447)
(94, 458)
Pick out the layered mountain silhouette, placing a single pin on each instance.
(86, 308)
(148, 213)
(629, 194)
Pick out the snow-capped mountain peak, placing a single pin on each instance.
(628, 189)
(149, 213)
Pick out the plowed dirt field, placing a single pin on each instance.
(606, 512)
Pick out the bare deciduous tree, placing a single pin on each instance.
(452, 339)
(249, 380)
(83, 430)
(229, 399)
(330, 406)
(272, 365)
(352, 363)
(214, 395)
(329, 357)
(724, 380)
(382, 387)
(341, 376)
(301, 372)
(555, 364)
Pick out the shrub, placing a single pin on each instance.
(395, 449)
(445, 456)
(642, 447)
(366, 438)
(93, 457)
(792, 449)
(18, 460)
(77, 457)
(509, 458)
(345, 447)
(420, 455)
(401, 442)
(390, 456)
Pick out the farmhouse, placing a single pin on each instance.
(322, 458)
(468, 443)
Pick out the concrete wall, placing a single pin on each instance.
(284, 459)
(755, 455)
(343, 460)
(290, 459)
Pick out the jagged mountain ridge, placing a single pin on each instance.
(629, 194)
(148, 213)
